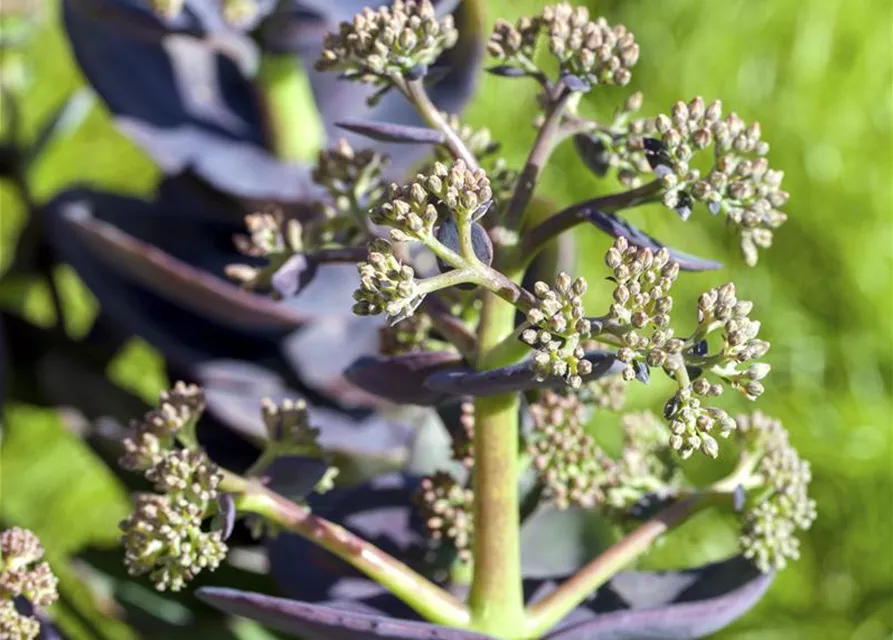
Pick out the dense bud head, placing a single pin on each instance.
(446, 508)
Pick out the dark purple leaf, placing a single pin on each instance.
(318, 622)
(642, 371)
(391, 132)
(617, 227)
(507, 71)
(593, 153)
(656, 153)
(575, 83)
(234, 390)
(295, 477)
(671, 605)
(517, 377)
(294, 275)
(401, 378)
(178, 281)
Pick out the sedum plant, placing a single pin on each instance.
(522, 372)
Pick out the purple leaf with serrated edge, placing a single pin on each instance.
(195, 290)
(295, 477)
(671, 605)
(391, 132)
(318, 622)
(617, 227)
(516, 377)
(401, 378)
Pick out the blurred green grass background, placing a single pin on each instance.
(817, 75)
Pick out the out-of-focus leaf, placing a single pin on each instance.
(294, 476)
(64, 121)
(392, 132)
(50, 479)
(617, 227)
(195, 290)
(593, 153)
(318, 622)
(401, 378)
(675, 605)
(516, 377)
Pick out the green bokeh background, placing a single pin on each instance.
(817, 75)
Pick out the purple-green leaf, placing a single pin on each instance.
(401, 378)
(393, 132)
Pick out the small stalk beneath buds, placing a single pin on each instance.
(496, 600)
(430, 601)
(536, 160)
(415, 92)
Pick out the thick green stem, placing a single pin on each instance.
(294, 128)
(496, 600)
(429, 600)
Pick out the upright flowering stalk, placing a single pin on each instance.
(443, 257)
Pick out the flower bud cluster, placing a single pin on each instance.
(646, 469)
(386, 285)
(390, 41)
(288, 424)
(558, 329)
(270, 236)
(739, 183)
(353, 181)
(640, 312)
(592, 50)
(23, 575)
(410, 211)
(155, 435)
(568, 462)
(164, 538)
(740, 343)
(783, 506)
(693, 426)
(407, 336)
(446, 508)
(608, 392)
(462, 436)
(615, 146)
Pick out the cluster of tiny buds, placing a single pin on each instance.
(569, 463)
(155, 434)
(641, 300)
(769, 530)
(352, 178)
(23, 575)
(164, 538)
(740, 182)
(462, 436)
(270, 236)
(614, 147)
(386, 285)
(395, 40)
(720, 306)
(645, 469)
(592, 50)
(188, 476)
(693, 426)
(445, 506)
(608, 392)
(558, 329)
(407, 336)
(289, 423)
